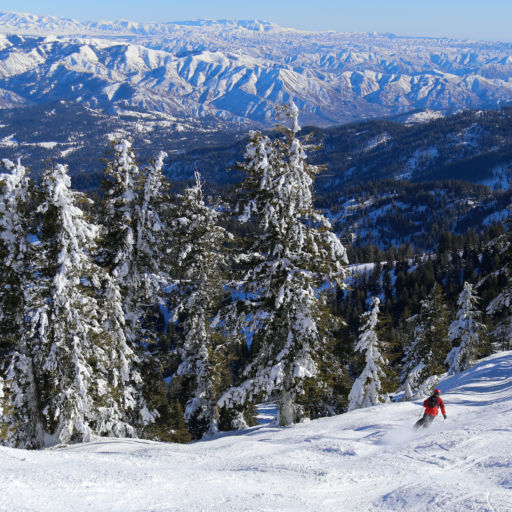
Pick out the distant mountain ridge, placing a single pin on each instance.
(234, 73)
(32, 24)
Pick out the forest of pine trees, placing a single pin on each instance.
(169, 316)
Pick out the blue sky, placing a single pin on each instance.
(478, 19)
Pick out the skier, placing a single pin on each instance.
(431, 404)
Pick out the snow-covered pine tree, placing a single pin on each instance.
(465, 332)
(19, 425)
(502, 304)
(367, 389)
(292, 255)
(132, 251)
(425, 356)
(14, 198)
(2, 397)
(82, 369)
(131, 248)
(199, 251)
(150, 229)
(123, 368)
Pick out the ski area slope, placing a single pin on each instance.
(365, 460)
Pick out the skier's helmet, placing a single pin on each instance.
(437, 392)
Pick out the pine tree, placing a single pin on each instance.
(123, 365)
(367, 389)
(198, 249)
(425, 356)
(14, 248)
(465, 332)
(151, 230)
(292, 254)
(502, 304)
(2, 400)
(18, 419)
(134, 235)
(132, 252)
(72, 378)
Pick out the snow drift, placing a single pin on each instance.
(366, 460)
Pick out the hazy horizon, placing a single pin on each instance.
(457, 19)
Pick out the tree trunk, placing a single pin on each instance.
(286, 409)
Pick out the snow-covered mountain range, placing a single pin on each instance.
(366, 460)
(236, 72)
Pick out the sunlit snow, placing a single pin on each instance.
(366, 460)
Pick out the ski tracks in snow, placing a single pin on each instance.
(369, 460)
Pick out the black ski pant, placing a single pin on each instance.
(425, 421)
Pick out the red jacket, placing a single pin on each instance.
(433, 411)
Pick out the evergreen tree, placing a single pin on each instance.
(132, 251)
(502, 303)
(14, 248)
(198, 249)
(151, 230)
(425, 356)
(367, 389)
(292, 254)
(465, 332)
(134, 235)
(2, 398)
(123, 364)
(73, 376)
(19, 424)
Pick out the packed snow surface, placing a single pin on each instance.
(366, 460)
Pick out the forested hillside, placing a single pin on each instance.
(385, 183)
(158, 312)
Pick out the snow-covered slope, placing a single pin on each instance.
(366, 460)
(238, 71)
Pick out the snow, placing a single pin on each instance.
(225, 69)
(66, 152)
(382, 138)
(47, 145)
(370, 459)
(419, 159)
(267, 414)
(501, 178)
(424, 117)
(499, 216)
(9, 142)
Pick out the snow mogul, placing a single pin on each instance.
(431, 404)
